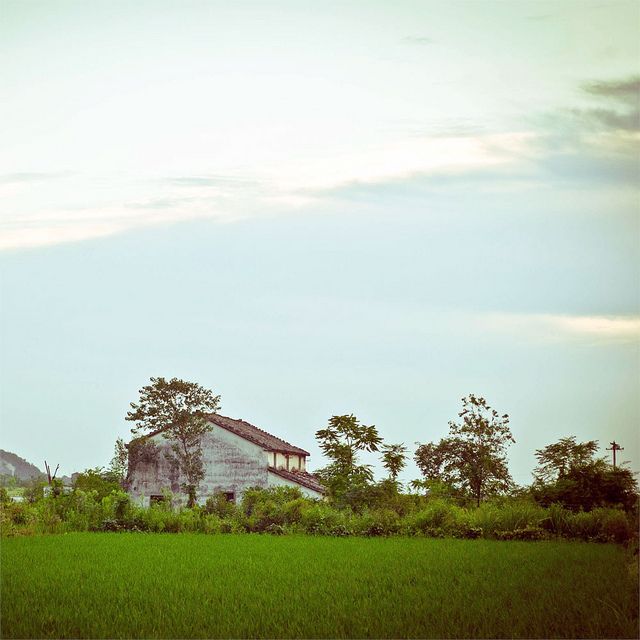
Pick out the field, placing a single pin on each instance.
(89, 585)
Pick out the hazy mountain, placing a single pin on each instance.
(13, 465)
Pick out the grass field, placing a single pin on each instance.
(88, 585)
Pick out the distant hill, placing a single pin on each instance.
(13, 465)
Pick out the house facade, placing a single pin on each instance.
(236, 455)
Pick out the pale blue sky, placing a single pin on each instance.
(318, 208)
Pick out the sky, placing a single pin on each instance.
(315, 209)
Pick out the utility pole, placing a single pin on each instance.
(613, 448)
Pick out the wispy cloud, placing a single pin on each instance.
(33, 176)
(593, 330)
(627, 89)
(210, 181)
(623, 100)
(418, 40)
(589, 148)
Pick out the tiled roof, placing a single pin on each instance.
(303, 478)
(255, 435)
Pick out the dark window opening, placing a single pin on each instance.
(230, 496)
(156, 500)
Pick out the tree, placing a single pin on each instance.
(394, 459)
(569, 473)
(119, 463)
(98, 480)
(177, 409)
(472, 460)
(341, 441)
(54, 483)
(558, 459)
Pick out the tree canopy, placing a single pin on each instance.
(394, 459)
(472, 459)
(568, 473)
(558, 459)
(177, 409)
(341, 441)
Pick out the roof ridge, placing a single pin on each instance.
(262, 430)
(238, 424)
(305, 478)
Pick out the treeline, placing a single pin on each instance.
(284, 511)
(470, 466)
(466, 489)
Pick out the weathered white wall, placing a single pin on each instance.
(231, 463)
(275, 480)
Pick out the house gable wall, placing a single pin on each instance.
(231, 464)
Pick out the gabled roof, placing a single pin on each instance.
(255, 435)
(304, 478)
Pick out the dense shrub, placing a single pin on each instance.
(283, 510)
(219, 505)
(503, 516)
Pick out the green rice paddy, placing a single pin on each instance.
(89, 585)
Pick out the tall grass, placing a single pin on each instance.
(133, 585)
(285, 511)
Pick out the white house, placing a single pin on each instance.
(236, 455)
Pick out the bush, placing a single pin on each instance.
(556, 519)
(616, 526)
(283, 510)
(319, 518)
(218, 505)
(498, 517)
(526, 533)
(436, 515)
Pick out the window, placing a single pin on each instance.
(230, 496)
(156, 499)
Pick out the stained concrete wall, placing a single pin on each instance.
(231, 463)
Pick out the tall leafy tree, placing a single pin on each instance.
(472, 459)
(394, 459)
(341, 441)
(569, 473)
(556, 460)
(119, 463)
(177, 409)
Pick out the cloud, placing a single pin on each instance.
(210, 181)
(542, 17)
(623, 95)
(405, 158)
(418, 40)
(76, 225)
(627, 90)
(34, 176)
(594, 330)
(587, 149)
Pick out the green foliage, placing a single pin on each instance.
(284, 510)
(394, 459)
(341, 441)
(558, 459)
(569, 474)
(591, 485)
(472, 460)
(178, 410)
(220, 506)
(34, 490)
(119, 462)
(98, 480)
